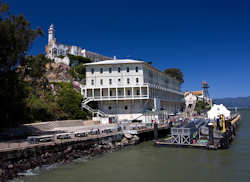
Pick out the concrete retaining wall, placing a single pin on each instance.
(15, 162)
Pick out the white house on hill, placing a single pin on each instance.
(55, 49)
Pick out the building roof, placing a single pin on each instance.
(115, 61)
(125, 61)
(197, 93)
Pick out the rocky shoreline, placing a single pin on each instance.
(13, 165)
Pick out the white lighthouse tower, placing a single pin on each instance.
(51, 31)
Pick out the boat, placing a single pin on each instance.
(216, 130)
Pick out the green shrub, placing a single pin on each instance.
(70, 102)
(43, 106)
(80, 59)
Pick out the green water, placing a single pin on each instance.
(146, 163)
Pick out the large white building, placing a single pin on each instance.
(55, 49)
(128, 88)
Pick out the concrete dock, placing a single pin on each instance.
(132, 128)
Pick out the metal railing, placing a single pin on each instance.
(118, 97)
(182, 131)
(95, 111)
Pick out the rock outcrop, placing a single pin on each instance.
(58, 72)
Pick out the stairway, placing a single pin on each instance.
(192, 108)
(189, 109)
(95, 111)
(138, 117)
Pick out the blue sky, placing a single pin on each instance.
(207, 40)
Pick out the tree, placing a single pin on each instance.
(79, 59)
(70, 102)
(201, 106)
(35, 68)
(80, 70)
(175, 73)
(12, 94)
(16, 37)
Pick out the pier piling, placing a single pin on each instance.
(211, 134)
(155, 131)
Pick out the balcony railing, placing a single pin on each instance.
(122, 97)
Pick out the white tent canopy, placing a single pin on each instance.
(218, 110)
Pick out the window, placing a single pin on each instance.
(110, 93)
(166, 81)
(136, 69)
(110, 107)
(102, 93)
(101, 70)
(127, 80)
(61, 52)
(137, 92)
(119, 69)
(126, 107)
(92, 70)
(128, 92)
(119, 80)
(127, 69)
(137, 80)
(119, 92)
(92, 82)
(54, 51)
(101, 82)
(110, 70)
(110, 81)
